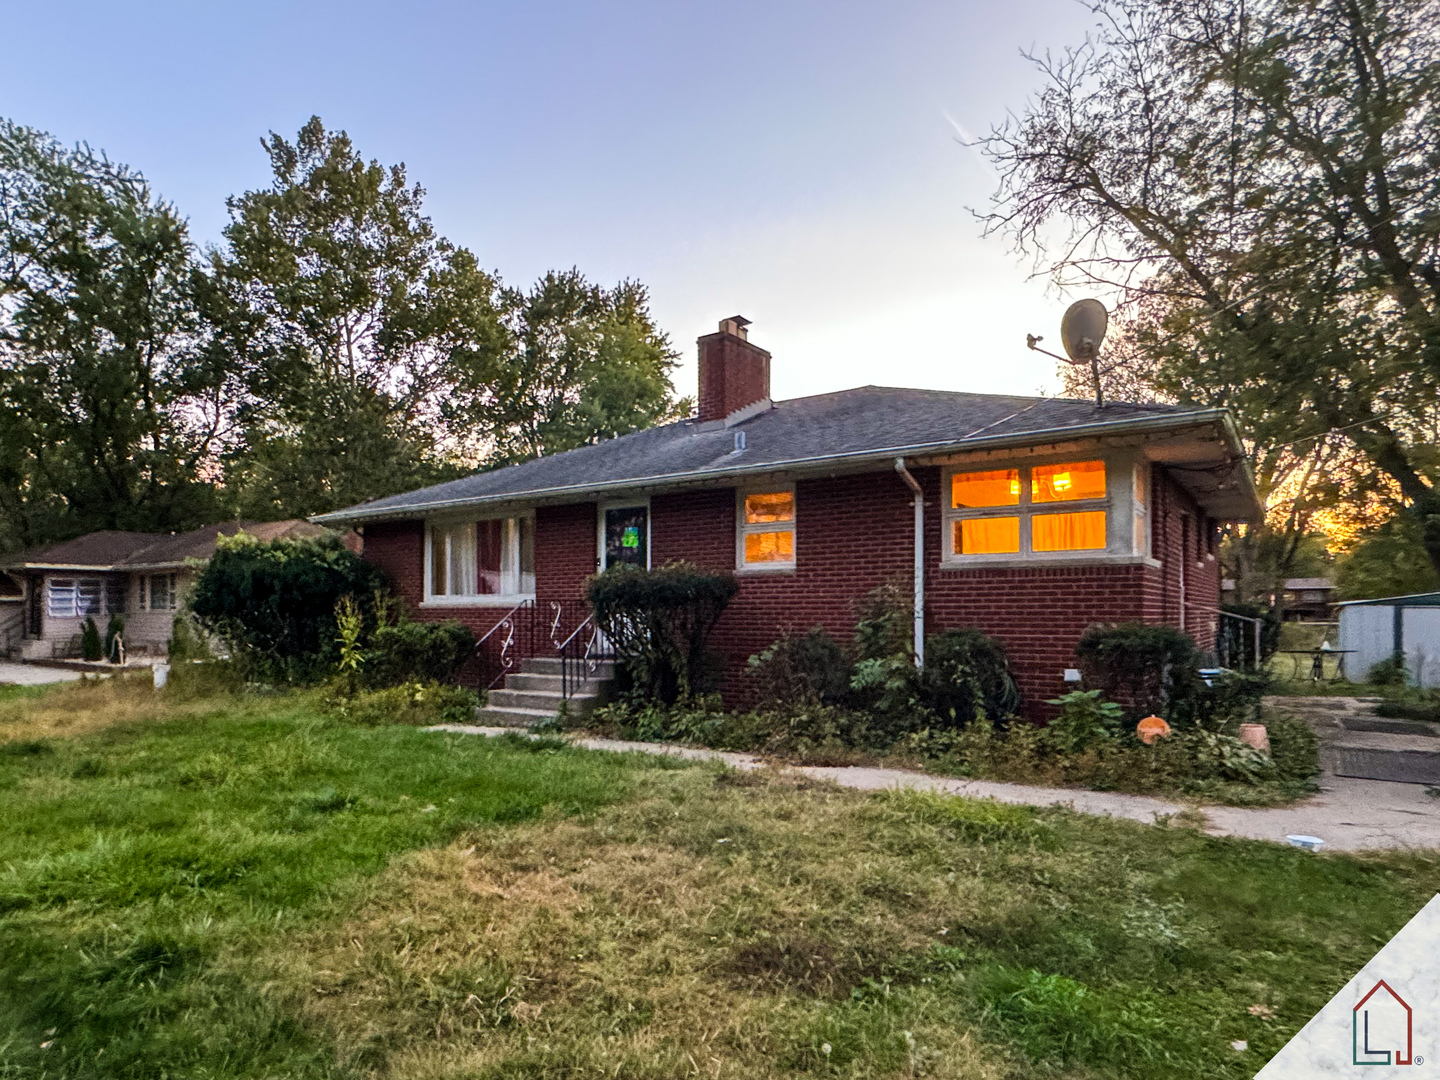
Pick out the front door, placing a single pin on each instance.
(627, 536)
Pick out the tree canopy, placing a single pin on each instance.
(334, 348)
(1253, 185)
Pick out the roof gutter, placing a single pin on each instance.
(1159, 423)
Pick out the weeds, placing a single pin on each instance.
(239, 886)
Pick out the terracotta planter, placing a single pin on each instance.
(1255, 735)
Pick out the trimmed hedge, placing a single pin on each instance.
(1147, 669)
(659, 622)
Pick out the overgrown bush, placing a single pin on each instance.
(413, 703)
(1231, 698)
(967, 674)
(801, 671)
(90, 647)
(884, 623)
(187, 642)
(1389, 672)
(1293, 748)
(424, 652)
(1148, 669)
(273, 604)
(659, 622)
(1085, 721)
(884, 683)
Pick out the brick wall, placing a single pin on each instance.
(852, 534)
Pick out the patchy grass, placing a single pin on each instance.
(236, 887)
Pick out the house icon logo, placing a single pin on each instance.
(1382, 1028)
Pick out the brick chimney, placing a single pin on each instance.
(733, 373)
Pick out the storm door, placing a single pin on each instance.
(626, 537)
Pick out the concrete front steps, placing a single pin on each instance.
(532, 694)
(1355, 742)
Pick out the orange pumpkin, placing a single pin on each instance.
(1152, 728)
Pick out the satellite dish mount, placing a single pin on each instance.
(1082, 329)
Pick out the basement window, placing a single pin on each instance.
(480, 562)
(1037, 511)
(765, 533)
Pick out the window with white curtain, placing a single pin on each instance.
(470, 561)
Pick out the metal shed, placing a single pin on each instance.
(1407, 626)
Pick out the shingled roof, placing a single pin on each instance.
(111, 549)
(827, 432)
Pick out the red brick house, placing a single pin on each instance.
(1029, 518)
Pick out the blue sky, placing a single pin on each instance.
(793, 162)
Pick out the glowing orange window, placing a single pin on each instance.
(1067, 482)
(769, 506)
(1083, 531)
(767, 529)
(987, 536)
(770, 547)
(998, 487)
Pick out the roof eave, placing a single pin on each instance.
(1198, 418)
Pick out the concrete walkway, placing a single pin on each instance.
(34, 674)
(1349, 815)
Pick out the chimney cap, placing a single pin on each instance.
(736, 325)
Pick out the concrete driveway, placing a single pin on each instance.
(34, 674)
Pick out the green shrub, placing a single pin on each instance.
(966, 674)
(1149, 669)
(414, 703)
(1389, 672)
(1293, 748)
(1085, 720)
(659, 622)
(884, 623)
(90, 647)
(801, 671)
(408, 651)
(186, 641)
(1232, 697)
(273, 604)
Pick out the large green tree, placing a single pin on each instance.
(574, 363)
(1255, 184)
(109, 409)
(343, 308)
(380, 357)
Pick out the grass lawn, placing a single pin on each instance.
(220, 886)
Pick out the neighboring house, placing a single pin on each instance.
(142, 576)
(1300, 599)
(1029, 518)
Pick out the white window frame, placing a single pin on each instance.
(1118, 505)
(512, 580)
(744, 529)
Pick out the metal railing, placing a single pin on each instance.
(1237, 644)
(12, 628)
(509, 641)
(581, 655)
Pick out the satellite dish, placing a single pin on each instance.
(1083, 329)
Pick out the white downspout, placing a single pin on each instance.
(919, 560)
